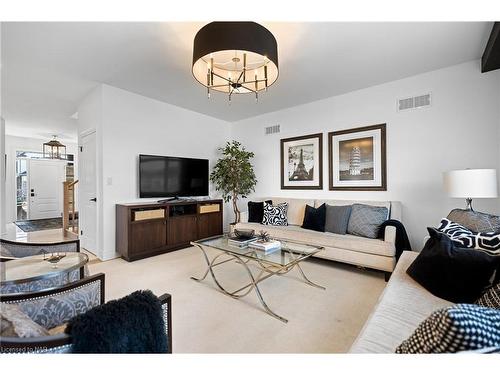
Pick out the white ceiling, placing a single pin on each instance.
(47, 68)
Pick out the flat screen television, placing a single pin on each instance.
(166, 176)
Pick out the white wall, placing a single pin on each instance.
(3, 207)
(460, 130)
(2, 150)
(89, 121)
(13, 144)
(132, 124)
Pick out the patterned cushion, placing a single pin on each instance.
(487, 241)
(275, 215)
(365, 221)
(491, 350)
(457, 233)
(337, 219)
(453, 329)
(475, 221)
(15, 323)
(491, 297)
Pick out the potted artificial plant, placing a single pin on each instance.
(233, 174)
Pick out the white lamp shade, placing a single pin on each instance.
(471, 183)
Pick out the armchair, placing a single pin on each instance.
(57, 306)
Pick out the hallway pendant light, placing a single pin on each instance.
(235, 58)
(54, 149)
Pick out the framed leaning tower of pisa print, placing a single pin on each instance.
(302, 162)
(357, 159)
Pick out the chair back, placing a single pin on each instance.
(51, 308)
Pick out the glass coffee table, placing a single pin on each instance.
(36, 268)
(277, 263)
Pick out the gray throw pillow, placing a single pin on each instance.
(475, 221)
(337, 218)
(365, 220)
(16, 323)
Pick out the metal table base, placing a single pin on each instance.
(266, 271)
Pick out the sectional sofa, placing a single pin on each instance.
(379, 254)
(392, 320)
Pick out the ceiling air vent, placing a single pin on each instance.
(414, 102)
(273, 129)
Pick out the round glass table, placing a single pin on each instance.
(38, 267)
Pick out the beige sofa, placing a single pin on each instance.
(366, 252)
(403, 305)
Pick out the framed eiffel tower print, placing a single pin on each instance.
(357, 159)
(302, 162)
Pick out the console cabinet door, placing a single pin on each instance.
(147, 235)
(182, 230)
(209, 225)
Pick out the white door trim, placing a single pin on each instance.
(90, 243)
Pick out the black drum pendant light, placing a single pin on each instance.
(235, 58)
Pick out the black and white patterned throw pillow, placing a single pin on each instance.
(454, 329)
(487, 241)
(275, 215)
(491, 297)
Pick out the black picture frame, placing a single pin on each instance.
(316, 183)
(382, 158)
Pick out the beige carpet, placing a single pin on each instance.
(207, 321)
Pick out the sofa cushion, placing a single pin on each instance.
(275, 214)
(337, 218)
(314, 218)
(256, 211)
(456, 274)
(391, 321)
(453, 329)
(326, 239)
(365, 220)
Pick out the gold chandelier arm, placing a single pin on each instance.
(241, 75)
(221, 77)
(213, 86)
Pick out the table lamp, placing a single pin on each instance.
(471, 183)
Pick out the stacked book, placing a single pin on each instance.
(240, 242)
(267, 247)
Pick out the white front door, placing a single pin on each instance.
(88, 193)
(45, 193)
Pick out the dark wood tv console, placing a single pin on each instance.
(144, 230)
